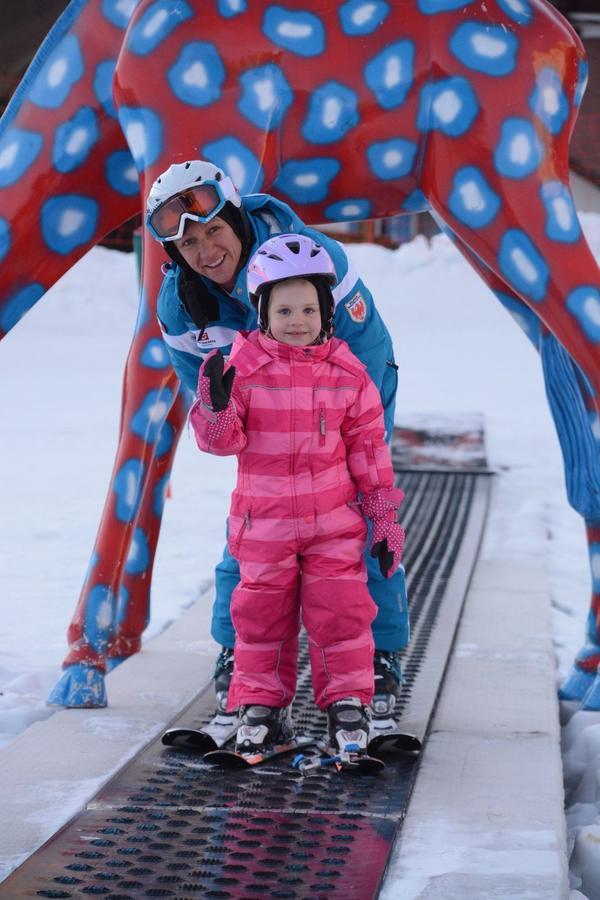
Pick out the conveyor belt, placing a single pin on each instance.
(171, 825)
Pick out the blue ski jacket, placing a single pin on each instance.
(356, 319)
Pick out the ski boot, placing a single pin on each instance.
(222, 677)
(388, 678)
(261, 727)
(349, 724)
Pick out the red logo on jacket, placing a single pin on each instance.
(357, 308)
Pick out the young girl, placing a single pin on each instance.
(306, 423)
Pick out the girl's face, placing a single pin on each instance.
(212, 249)
(294, 314)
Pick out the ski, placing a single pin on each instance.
(221, 729)
(349, 760)
(231, 759)
(385, 736)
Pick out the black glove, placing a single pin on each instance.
(386, 557)
(220, 385)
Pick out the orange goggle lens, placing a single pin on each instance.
(202, 201)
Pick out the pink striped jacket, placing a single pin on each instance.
(307, 426)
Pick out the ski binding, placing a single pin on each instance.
(351, 758)
(231, 759)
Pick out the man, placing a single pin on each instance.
(210, 232)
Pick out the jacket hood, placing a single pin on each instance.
(251, 350)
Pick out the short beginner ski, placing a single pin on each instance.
(385, 736)
(231, 759)
(352, 759)
(215, 734)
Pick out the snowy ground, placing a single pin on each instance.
(60, 381)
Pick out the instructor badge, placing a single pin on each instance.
(357, 308)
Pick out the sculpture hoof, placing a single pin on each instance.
(79, 687)
(576, 684)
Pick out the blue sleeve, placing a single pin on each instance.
(177, 335)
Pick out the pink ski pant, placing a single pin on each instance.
(321, 578)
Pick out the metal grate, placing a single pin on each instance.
(171, 825)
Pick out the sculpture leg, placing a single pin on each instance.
(145, 448)
(133, 601)
(572, 408)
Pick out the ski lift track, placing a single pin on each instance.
(170, 825)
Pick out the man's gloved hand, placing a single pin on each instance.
(214, 387)
(387, 539)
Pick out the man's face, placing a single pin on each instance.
(211, 249)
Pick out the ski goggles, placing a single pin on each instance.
(199, 203)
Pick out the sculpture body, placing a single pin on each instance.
(346, 111)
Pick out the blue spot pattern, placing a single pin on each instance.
(448, 105)
(489, 49)
(122, 174)
(138, 557)
(548, 100)
(472, 200)
(433, 7)
(5, 240)
(143, 130)
(519, 151)
(160, 495)
(266, 96)
(198, 74)
(351, 210)
(307, 180)
(119, 12)
(416, 202)
(562, 223)
(594, 551)
(122, 604)
(518, 10)
(156, 24)
(99, 617)
(127, 485)
(525, 318)
(143, 315)
(18, 151)
(17, 305)
(240, 163)
(392, 159)
(390, 74)
(149, 418)
(74, 140)
(300, 32)
(584, 304)
(165, 440)
(230, 8)
(63, 68)
(103, 79)
(523, 265)
(68, 221)
(332, 112)
(155, 355)
(582, 80)
(358, 17)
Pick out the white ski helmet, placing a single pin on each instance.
(195, 190)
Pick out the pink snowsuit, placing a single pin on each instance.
(307, 426)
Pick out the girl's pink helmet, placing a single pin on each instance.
(287, 256)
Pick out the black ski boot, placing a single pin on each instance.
(349, 722)
(261, 727)
(222, 677)
(388, 678)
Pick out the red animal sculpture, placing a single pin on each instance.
(349, 110)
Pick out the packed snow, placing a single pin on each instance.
(459, 354)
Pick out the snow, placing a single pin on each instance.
(459, 353)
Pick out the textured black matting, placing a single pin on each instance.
(171, 825)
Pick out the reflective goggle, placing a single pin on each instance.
(197, 204)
